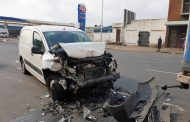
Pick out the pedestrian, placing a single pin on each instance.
(159, 45)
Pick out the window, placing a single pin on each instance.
(37, 41)
(186, 5)
(55, 37)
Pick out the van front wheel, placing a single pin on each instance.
(55, 88)
(24, 70)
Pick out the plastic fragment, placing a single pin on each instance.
(46, 95)
(164, 105)
(87, 114)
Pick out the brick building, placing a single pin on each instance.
(178, 15)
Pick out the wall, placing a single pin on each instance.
(156, 27)
(106, 37)
(174, 12)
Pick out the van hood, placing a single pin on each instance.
(84, 49)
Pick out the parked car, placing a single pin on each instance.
(4, 35)
(65, 59)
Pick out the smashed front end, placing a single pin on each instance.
(80, 65)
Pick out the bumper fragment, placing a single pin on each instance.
(113, 76)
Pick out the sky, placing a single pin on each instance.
(65, 11)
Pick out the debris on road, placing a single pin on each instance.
(107, 103)
(43, 114)
(18, 68)
(135, 106)
(166, 105)
(28, 106)
(87, 114)
(46, 95)
(17, 61)
(62, 120)
(31, 110)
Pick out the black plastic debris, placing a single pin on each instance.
(134, 107)
(87, 115)
(101, 103)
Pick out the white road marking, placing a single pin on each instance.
(17, 61)
(150, 70)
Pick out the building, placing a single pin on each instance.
(110, 34)
(177, 22)
(147, 31)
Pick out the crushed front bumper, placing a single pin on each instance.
(113, 77)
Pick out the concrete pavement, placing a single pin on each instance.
(145, 49)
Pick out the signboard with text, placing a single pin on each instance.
(82, 16)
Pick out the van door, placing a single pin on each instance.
(36, 59)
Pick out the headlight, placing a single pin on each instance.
(56, 66)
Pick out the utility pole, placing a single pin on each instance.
(102, 19)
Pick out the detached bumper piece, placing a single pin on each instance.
(134, 107)
(112, 77)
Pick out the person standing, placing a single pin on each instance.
(159, 45)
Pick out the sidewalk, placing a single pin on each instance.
(9, 40)
(145, 49)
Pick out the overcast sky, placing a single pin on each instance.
(66, 10)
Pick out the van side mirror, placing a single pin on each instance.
(37, 50)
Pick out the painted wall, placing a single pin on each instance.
(156, 27)
(106, 37)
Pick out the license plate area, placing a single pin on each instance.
(95, 72)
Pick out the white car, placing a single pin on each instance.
(4, 35)
(65, 59)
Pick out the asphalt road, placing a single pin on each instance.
(18, 90)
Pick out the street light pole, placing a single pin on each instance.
(102, 18)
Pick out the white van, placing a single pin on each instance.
(65, 57)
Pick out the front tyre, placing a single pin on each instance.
(55, 88)
(24, 70)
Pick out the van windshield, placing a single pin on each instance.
(55, 37)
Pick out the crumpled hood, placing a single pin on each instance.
(84, 49)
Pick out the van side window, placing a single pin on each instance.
(37, 41)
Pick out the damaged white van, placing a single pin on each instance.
(65, 59)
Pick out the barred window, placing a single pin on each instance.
(186, 5)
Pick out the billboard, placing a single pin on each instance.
(129, 16)
(82, 16)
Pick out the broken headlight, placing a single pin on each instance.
(56, 66)
(113, 64)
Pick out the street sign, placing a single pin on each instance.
(82, 16)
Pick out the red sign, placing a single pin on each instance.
(83, 9)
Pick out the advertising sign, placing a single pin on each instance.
(82, 16)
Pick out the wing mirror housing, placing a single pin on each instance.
(37, 50)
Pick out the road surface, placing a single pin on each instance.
(18, 90)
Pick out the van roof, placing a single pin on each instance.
(45, 28)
